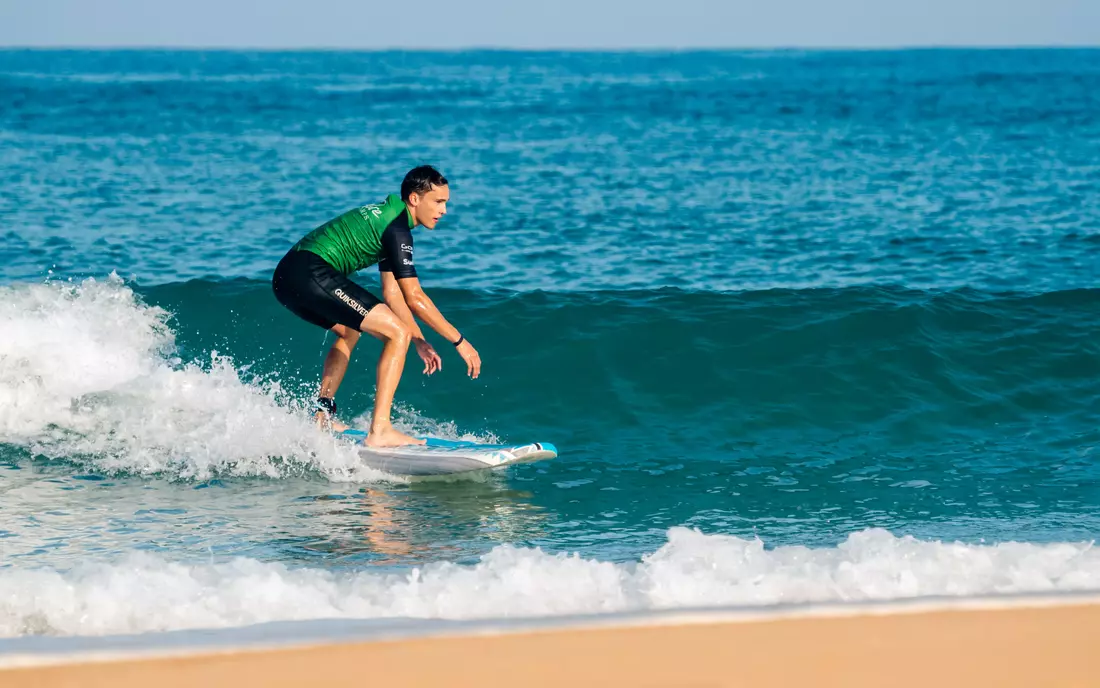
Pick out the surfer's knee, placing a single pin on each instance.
(396, 331)
(384, 324)
(351, 337)
(401, 336)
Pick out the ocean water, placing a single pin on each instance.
(805, 326)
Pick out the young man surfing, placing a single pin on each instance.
(312, 282)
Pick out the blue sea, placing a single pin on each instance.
(804, 326)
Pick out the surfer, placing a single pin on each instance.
(312, 282)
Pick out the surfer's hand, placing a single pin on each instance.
(432, 361)
(473, 361)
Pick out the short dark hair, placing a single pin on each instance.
(421, 180)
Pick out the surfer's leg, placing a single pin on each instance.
(336, 365)
(383, 324)
(316, 292)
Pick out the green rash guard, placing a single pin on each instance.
(353, 241)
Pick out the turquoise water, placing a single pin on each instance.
(804, 326)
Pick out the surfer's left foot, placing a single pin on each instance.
(389, 437)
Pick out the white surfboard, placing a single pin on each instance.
(445, 457)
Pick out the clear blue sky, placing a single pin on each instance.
(370, 24)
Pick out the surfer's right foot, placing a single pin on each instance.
(325, 409)
(389, 437)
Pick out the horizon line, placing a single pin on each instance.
(554, 49)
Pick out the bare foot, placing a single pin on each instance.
(324, 422)
(389, 437)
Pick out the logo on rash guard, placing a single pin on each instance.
(356, 306)
(406, 248)
(374, 209)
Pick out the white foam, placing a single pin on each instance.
(87, 373)
(144, 593)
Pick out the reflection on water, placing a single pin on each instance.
(52, 514)
(424, 521)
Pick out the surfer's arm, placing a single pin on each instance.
(415, 300)
(423, 308)
(400, 283)
(397, 266)
(391, 294)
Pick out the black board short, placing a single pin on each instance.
(316, 292)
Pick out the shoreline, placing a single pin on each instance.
(1026, 640)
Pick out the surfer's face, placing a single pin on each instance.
(430, 206)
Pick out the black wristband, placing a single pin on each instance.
(460, 339)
